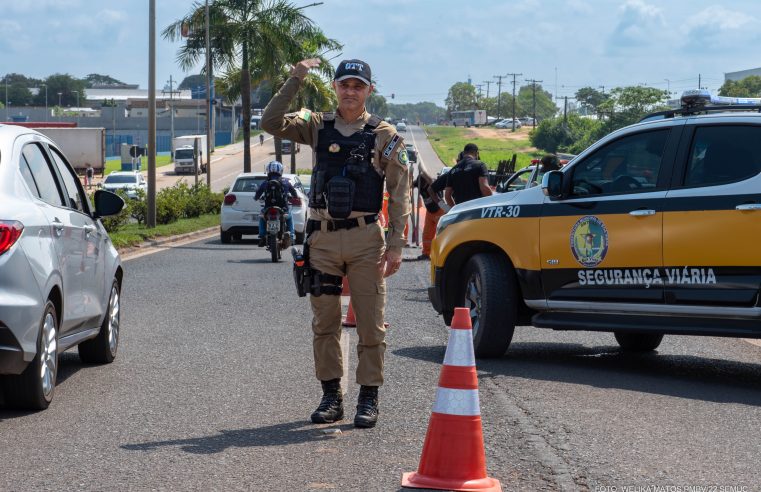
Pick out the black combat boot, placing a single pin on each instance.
(332, 405)
(367, 407)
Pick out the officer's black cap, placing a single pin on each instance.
(353, 69)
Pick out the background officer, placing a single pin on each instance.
(468, 179)
(345, 238)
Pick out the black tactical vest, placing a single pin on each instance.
(351, 157)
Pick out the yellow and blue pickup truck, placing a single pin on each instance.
(652, 230)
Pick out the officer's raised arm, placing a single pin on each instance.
(295, 126)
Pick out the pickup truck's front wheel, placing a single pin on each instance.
(490, 292)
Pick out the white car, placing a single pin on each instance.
(240, 212)
(129, 181)
(401, 127)
(508, 123)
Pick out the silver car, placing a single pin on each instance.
(60, 275)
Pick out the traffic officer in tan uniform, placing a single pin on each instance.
(354, 154)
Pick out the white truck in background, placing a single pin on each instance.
(182, 154)
(81, 146)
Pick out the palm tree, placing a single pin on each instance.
(240, 30)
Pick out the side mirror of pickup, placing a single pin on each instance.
(552, 184)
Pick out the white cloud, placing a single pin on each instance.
(717, 28)
(639, 24)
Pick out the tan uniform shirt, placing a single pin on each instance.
(390, 155)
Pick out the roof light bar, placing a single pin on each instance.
(702, 97)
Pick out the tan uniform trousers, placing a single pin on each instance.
(355, 253)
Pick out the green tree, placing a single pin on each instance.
(545, 107)
(239, 31)
(589, 99)
(747, 87)
(64, 84)
(461, 96)
(424, 112)
(103, 80)
(627, 105)
(377, 104)
(571, 134)
(192, 81)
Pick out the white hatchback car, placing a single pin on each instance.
(240, 212)
(60, 275)
(129, 181)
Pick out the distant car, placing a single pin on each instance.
(60, 275)
(287, 145)
(240, 212)
(508, 123)
(129, 181)
(527, 121)
(401, 127)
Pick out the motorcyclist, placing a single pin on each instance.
(275, 172)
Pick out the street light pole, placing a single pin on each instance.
(59, 105)
(208, 102)
(151, 199)
(6, 97)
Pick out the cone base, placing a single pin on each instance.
(414, 480)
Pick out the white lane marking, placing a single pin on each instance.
(751, 341)
(345, 338)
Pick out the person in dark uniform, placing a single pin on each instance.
(549, 162)
(355, 154)
(468, 179)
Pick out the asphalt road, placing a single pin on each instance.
(213, 387)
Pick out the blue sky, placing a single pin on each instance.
(419, 48)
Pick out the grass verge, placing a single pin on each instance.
(448, 141)
(134, 234)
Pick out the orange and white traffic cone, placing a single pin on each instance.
(349, 321)
(453, 455)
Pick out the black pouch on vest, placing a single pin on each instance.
(340, 194)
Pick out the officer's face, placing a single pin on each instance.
(352, 94)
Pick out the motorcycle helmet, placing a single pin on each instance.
(274, 167)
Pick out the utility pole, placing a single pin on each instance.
(46, 101)
(565, 110)
(171, 111)
(6, 97)
(533, 98)
(151, 198)
(499, 94)
(208, 102)
(699, 87)
(479, 87)
(514, 75)
(602, 88)
(668, 86)
(488, 83)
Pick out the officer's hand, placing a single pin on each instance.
(301, 69)
(391, 262)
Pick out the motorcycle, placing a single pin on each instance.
(278, 237)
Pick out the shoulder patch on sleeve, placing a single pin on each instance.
(390, 147)
(403, 157)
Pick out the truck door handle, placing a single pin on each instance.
(642, 213)
(749, 206)
(58, 227)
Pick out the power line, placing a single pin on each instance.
(533, 83)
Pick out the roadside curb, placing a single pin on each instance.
(166, 240)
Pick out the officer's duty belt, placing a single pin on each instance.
(337, 224)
